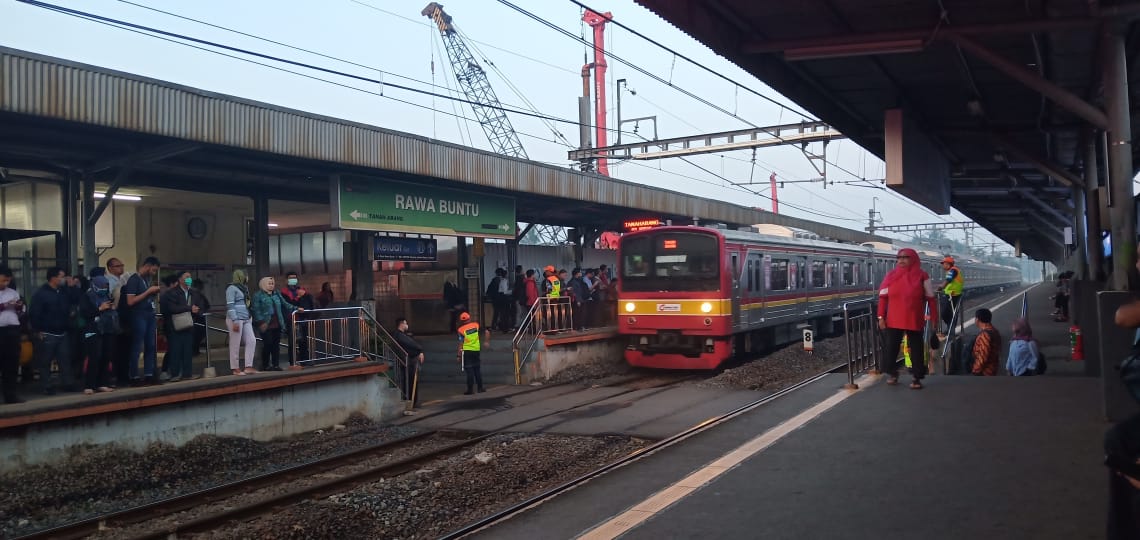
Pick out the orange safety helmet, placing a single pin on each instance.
(548, 269)
(948, 260)
(465, 316)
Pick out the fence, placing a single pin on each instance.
(864, 348)
(547, 315)
(331, 335)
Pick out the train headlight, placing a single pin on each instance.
(629, 307)
(706, 307)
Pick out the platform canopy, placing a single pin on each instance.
(60, 118)
(1009, 92)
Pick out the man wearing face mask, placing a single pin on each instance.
(298, 296)
(180, 342)
(415, 352)
(99, 334)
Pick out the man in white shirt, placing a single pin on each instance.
(10, 308)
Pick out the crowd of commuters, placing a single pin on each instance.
(99, 332)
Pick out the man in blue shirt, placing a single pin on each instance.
(139, 296)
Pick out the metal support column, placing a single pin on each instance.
(1123, 212)
(1092, 211)
(260, 237)
(90, 252)
(69, 192)
(1085, 250)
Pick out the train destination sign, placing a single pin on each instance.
(641, 224)
(406, 207)
(397, 248)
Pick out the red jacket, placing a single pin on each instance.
(905, 293)
(531, 292)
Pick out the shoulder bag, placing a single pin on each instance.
(182, 321)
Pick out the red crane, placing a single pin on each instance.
(598, 23)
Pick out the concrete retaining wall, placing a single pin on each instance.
(549, 359)
(260, 415)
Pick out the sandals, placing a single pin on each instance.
(916, 385)
(238, 372)
(893, 381)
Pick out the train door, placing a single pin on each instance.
(803, 288)
(736, 289)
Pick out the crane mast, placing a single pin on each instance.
(473, 80)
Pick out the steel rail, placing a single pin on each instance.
(178, 503)
(633, 457)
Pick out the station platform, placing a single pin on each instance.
(260, 406)
(965, 457)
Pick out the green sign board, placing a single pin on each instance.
(402, 207)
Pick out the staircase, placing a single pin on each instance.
(440, 365)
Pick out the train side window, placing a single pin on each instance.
(735, 267)
(817, 274)
(778, 274)
(756, 273)
(748, 276)
(848, 274)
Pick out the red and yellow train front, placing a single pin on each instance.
(671, 304)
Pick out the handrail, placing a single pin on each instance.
(955, 331)
(548, 314)
(864, 348)
(360, 336)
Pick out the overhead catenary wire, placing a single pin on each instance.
(297, 73)
(209, 43)
(497, 48)
(718, 74)
(123, 25)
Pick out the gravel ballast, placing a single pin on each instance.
(96, 480)
(445, 494)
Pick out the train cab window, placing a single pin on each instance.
(756, 279)
(818, 280)
(778, 275)
(677, 261)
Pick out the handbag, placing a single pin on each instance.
(107, 323)
(182, 321)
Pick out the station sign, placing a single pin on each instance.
(641, 224)
(373, 205)
(396, 248)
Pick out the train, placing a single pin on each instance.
(692, 297)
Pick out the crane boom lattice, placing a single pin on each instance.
(476, 86)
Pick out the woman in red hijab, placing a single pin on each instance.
(904, 294)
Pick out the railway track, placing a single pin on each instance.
(654, 448)
(518, 508)
(331, 482)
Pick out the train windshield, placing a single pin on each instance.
(670, 262)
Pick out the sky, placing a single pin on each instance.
(530, 65)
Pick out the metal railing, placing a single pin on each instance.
(864, 346)
(954, 331)
(547, 315)
(331, 335)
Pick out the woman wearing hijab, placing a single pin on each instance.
(902, 296)
(240, 323)
(1022, 359)
(269, 309)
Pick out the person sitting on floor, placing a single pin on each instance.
(987, 345)
(1023, 350)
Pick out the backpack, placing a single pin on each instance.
(116, 297)
(966, 356)
(1041, 367)
(492, 292)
